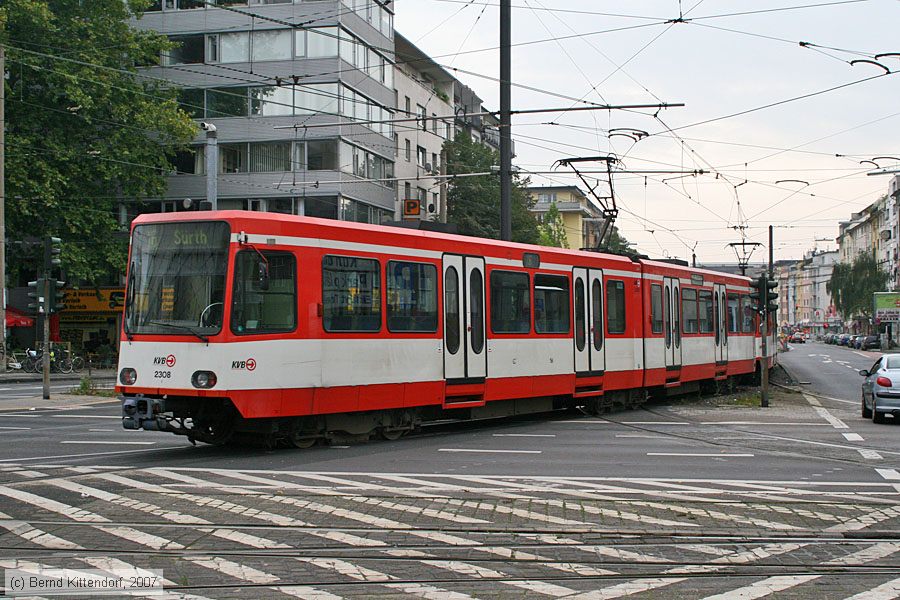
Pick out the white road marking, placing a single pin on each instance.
(16, 428)
(766, 587)
(86, 417)
(700, 455)
(478, 450)
(771, 585)
(853, 437)
(889, 474)
(306, 592)
(870, 454)
(94, 442)
(885, 591)
(233, 569)
(368, 575)
(656, 423)
(479, 572)
(98, 430)
(36, 536)
(628, 588)
(823, 412)
(581, 421)
(536, 435)
(762, 423)
(639, 435)
(75, 456)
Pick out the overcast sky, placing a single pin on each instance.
(717, 63)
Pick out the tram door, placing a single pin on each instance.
(672, 325)
(465, 344)
(587, 285)
(721, 326)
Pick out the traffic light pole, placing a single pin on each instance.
(46, 355)
(764, 368)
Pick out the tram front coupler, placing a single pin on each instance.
(140, 412)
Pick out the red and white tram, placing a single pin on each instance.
(295, 329)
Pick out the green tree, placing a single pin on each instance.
(852, 285)
(553, 230)
(84, 131)
(473, 203)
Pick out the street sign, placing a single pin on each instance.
(887, 306)
(412, 208)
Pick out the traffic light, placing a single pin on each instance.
(36, 292)
(771, 297)
(54, 302)
(757, 296)
(51, 252)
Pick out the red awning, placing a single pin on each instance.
(16, 319)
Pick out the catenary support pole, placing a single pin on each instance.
(505, 119)
(2, 204)
(45, 367)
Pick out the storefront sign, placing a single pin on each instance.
(887, 306)
(110, 301)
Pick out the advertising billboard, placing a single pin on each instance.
(887, 306)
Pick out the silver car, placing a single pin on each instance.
(881, 389)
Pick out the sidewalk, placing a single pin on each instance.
(18, 376)
(56, 402)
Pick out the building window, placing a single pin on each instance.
(551, 304)
(408, 151)
(407, 191)
(351, 294)
(322, 42)
(270, 157)
(322, 155)
(510, 302)
(272, 45)
(615, 306)
(226, 102)
(421, 156)
(189, 50)
(411, 297)
(258, 308)
(233, 158)
(272, 101)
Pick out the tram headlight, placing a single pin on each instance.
(127, 376)
(203, 379)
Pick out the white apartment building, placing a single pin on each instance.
(424, 92)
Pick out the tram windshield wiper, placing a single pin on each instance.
(190, 330)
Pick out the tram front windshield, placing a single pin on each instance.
(176, 280)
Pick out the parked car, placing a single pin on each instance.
(881, 389)
(798, 338)
(844, 339)
(870, 342)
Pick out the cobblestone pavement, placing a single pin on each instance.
(220, 533)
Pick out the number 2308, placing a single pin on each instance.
(162, 374)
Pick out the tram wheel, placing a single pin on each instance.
(301, 442)
(391, 434)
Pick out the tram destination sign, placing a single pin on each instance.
(887, 306)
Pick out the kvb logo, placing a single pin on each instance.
(248, 365)
(169, 360)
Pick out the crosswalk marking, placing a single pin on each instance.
(763, 588)
(885, 591)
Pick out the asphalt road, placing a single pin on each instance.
(695, 498)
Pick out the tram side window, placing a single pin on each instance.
(689, 310)
(510, 302)
(748, 315)
(351, 294)
(615, 306)
(656, 318)
(734, 306)
(260, 303)
(597, 311)
(707, 317)
(411, 297)
(551, 304)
